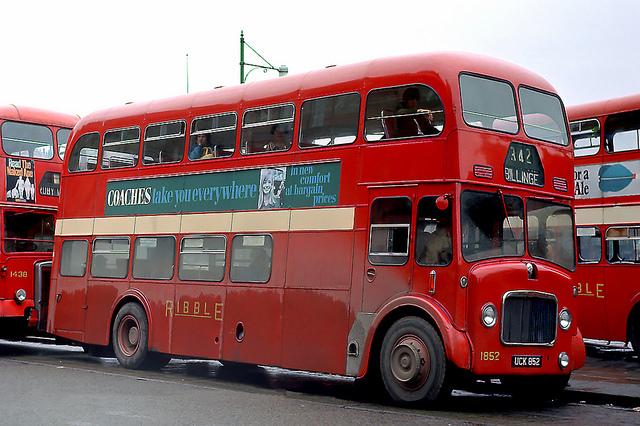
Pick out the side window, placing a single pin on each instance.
(589, 244)
(433, 233)
(164, 142)
(84, 155)
(623, 244)
(63, 137)
(202, 258)
(27, 140)
(403, 112)
(120, 148)
(329, 121)
(110, 258)
(213, 137)
(267, 129)
(251, 257)
(621, 132)
(73, 261)
(586, 137)
(154, 257)
(488, 104)
(389, 233)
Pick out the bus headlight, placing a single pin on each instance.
(489, 315)
(21, 295)
(563, 360)
(565, 319)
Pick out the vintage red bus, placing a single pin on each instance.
(33, 142)
(407, 218)
(607, 188)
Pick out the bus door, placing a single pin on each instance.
(69, 304)
(590, 280)
(433, 248)
(199, 297)
(388, 268)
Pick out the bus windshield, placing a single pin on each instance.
(543, 117)
(28, 232)
(27, 140)
(550, 232)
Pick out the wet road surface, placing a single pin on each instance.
(47, 384)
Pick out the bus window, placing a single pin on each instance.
(389, 234)
(202, 258)
(110, 258)
(28, 232)
(550, 232)
(403, 112)
(120, 148)
(27, 140)
(543, 116)
(164, 142)
(84, 155)
(589, 244)
(433, 233)
(488, 104)
(621, 132)
(73, 261)
(329, 121)
(153, 258)
(586, 137)
(213, 137)
(623, 244)
(63, 137)
(491, 225)
(251, 257)
(267, 129)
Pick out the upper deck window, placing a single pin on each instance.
(213, 137)
(488, 104)
(329, 121)
(267, 129)
(27, 140)
(84, 155)
(543, 116)
(120, 148)
(164, 142)
(63, 138)
(621, 132)
(403, 112)
(586, 137)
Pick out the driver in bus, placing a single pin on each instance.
(437, 242)
(413, 121)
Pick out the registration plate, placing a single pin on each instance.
(526, 361)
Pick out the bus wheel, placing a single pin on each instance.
(412, 361)
(130, 336)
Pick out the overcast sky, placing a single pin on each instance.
(80, 56)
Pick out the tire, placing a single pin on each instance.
(536, 389)
(130, 336)
(413, 364)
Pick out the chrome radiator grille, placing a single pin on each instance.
(529, 318)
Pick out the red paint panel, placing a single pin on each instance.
(100, 294)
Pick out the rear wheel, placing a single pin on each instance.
(130, 336)
(412, 361)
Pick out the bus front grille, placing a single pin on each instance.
(529, 318)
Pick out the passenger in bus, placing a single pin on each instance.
(437, 243)
(413, 121)
(278, 142)
(200, 148)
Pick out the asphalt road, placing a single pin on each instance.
(47, 384)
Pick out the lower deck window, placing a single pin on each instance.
(251, 257)
(389, 232)
(623, 244)
(73, 260)
(202, 258)
(110, 258)
(154, 258)
(589, 244)
(28, 232)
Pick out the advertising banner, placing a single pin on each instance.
(20, 181)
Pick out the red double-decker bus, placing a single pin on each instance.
(607, 151)
(33, 142)
(408, 219)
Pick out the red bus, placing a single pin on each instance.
(607, 188)
(33, 142)
(406, 218)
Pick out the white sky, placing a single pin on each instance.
(79, 56)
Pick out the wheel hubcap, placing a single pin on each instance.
(410, 361)
(128, 335)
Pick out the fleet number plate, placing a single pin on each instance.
(527, 361)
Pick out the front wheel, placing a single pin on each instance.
(412, 361)
(130, 336)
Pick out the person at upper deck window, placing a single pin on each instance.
(411, 120)
(200, 148)
(278, 140)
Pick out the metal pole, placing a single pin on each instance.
(187, 73)
(241, 57)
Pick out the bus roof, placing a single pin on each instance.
(605, 107)
(446, 65)
(37, 115)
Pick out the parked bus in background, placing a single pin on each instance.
(607, 151)
(408, 219)
(33, 142)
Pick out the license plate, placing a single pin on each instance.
(526, 361)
